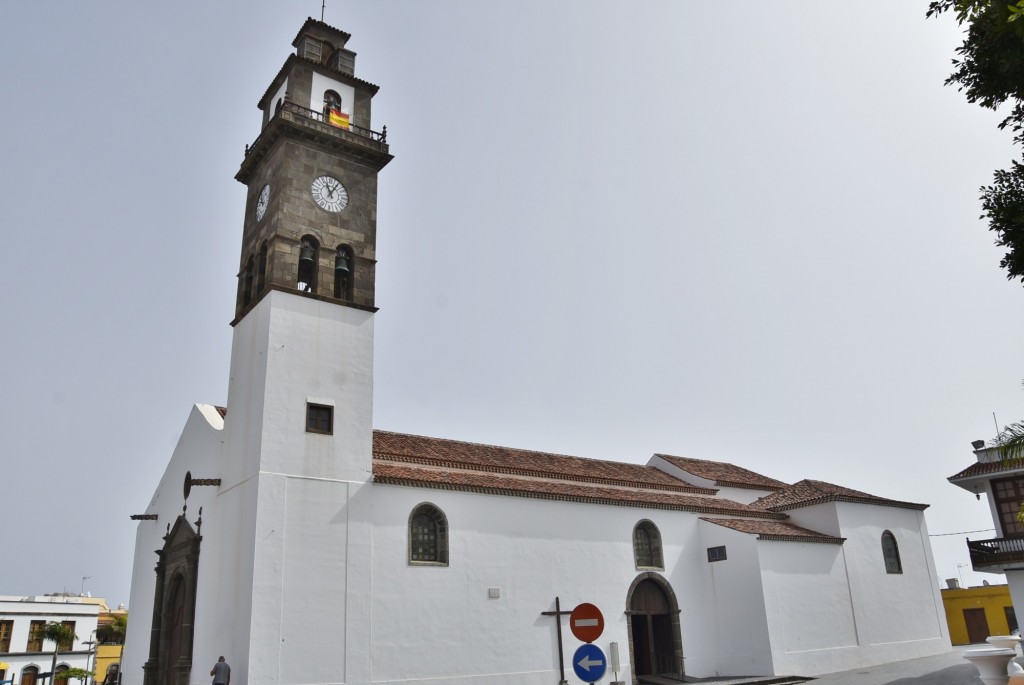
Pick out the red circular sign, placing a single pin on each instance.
(586, 622)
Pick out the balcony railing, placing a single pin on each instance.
(992, 555)
(379, 137)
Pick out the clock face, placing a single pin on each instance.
(329, 194)
(261, 204)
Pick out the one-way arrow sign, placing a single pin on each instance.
(589, 663)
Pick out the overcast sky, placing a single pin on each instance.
(745, 232)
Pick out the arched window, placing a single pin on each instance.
(891, 553)
(428, 536)
(331, 101)
(344, 272)
(59, 675)
(261, 269)
(647, 546)
(247, 287)
(28, 675)
(309, 262)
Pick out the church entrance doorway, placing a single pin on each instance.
(656, 650)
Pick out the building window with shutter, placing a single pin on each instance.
(35, 636)
(319, 418)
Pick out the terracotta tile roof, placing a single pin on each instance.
(416, 449)
(460, 479)
(339, 75)
(809, 492)
(724, 474)
(310, 21)
(984, 468)
(776, 530)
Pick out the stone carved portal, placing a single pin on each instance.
(174, 607)
(655, 646)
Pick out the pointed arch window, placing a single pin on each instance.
(647, 552)
(891, 553)
(344, 273)
(428, 536)
(309, 260)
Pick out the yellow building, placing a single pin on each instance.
(974, 613)
(108, 648)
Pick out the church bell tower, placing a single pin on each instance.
(311, 214)
(291, 532)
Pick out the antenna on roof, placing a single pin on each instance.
(323, 6)
(995, 422)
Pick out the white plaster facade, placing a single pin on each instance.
(24, 666)
(304, 573)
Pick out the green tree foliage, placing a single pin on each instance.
(76, 673)
(989, 70)
(62, 636)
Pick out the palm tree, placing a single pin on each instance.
(1011, 440)
(59, 634)
(118, 628)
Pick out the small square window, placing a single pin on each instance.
(319, 418)
(716, 553)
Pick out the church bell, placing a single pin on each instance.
(341, 264)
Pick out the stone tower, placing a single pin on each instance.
(311, 215)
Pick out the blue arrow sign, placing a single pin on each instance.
(589, 663)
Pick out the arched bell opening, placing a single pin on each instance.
(261, 269)
(655, 643)
(344, 273)
(247, 281)
(309, 261)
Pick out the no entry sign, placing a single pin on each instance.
(586, 622)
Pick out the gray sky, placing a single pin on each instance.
(745, 232)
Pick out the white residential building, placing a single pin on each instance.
(25, 658)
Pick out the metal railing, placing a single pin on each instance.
(996, 552)
(380, 137)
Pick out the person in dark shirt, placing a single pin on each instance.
(221, 672)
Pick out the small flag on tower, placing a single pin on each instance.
(338, 118)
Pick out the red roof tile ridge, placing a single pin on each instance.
(808, 492)
(774, 530)
(724, 473)
(421, 449)
(390, 473)
(982, 468)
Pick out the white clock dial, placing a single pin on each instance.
(262, 202)
(329, 194)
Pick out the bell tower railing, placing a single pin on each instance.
(363, 134)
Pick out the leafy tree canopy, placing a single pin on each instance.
(989, 70)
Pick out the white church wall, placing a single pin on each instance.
(737, 603)
(532, 551)
(899, 615)
(810, 613)
(329, 359)
(821, 518)
(198, 450)
(272, 102)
